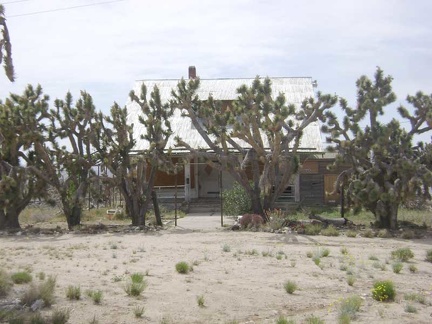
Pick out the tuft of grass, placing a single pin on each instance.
(412, 268)
(226, 248)
(351, 233)
(397, 267)
(348, 308)
(312, 229)
(373, 258)
(137, 277)
(21, 277)
(73, 292)
(384, 233)
(344, 250)
(351, 280)
(201, 301)
(44, 291)
(415, 297)
(5, 283)
(135, 288)
(330, 231)
(309, 254)
(97, 296)
(60, 316)
(182, 267)
(383, 291)
(429, 255)
(324, 252)
(312, 319)
(368, 233)
(402, 254)
(290, 287)
(410, 308)
(283, 320)
(139, 311)
(41, 275)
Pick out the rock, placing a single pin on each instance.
(37, 305)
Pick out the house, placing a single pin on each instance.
(198, 179)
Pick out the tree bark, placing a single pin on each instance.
(156, 209)
(9, 220)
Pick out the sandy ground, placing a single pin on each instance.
(242, 285)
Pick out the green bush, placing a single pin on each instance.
(5, 283)
(330, 231)
(236, 201)
(351, 233)
(312, 229)
(383, 291)
(60, 316)
(429, 255)
(182, 267)
(21, 277)
(73, 292)
(135, 288)
(402, 254)
(137, 277)
(290, 287)
(397, 267)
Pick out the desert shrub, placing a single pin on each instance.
(415, 297)
(402, 254)
(226, 248)
(351, 233)
(139, 311)
(236, 201)
(44, 291)
(201, 301)
(283, 320)
(349, 308)
(290, 287)
(21, 277)
(60, 316)
(73, 292)
(137, 277)
(182, 267)
(368, 233)
(251, 221)
(135, 288)
(397, 267)
(410, 308)
(96, 296)
(429, 255)
(5, 283)
(312, 319)
(37, 319)
(384, 233)
(383, 291)
(277, 218)
(312, 229)
(330, 231)
(412, 268)
(408, 235)
(324, 252)
(344, 250)
(351, 280)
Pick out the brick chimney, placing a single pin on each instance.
(192, 72)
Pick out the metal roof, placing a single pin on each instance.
(294, 89)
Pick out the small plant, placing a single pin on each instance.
(137, 277)
(41, 275)
(226, 248)
(330, 231)
(351, 233)
(325, 253)
(349, 308)
(182, 267)
(312, 229)
(139, 311)
(415, 297)
(383, 291)
(343, 267)
(402, 254)
(267, 253)
(36, 319)
(309, 254)
(351, 280)
(410, 308)
(73, 292)
(368, 233)
(312, 319)
(412, 268)
(60, 316)
(408, 235)
(5, 284)
(317, 260)
(44, 291)
(279, 256)
(290, 287)
(284, 320)
(135, 288)
(344, 250)
(201, 301)
(293, 263)
(397, 267)
(97, 296)
(21, 277)
(384, 233)
(373, 258)
(429, 255)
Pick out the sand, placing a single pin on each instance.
(238, 274)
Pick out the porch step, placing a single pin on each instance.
(204, 205)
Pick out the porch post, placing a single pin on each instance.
(187, 180)
(297, 188)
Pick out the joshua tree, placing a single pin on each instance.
(6, 47)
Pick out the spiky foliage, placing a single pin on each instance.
(135, 175)
(263, 129)
(385, 169)
(6, 47)
(20, 128)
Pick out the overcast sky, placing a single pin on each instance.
(105, 46)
